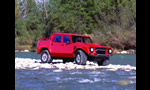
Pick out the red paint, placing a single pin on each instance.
(61, 49)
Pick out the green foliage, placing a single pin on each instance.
(109, 22)
(17, 14)
(29, 29)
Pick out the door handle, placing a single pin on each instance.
(51, 44)
(62, 44)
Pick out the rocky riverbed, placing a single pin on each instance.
(34, 64)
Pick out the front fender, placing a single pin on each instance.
(84, 49)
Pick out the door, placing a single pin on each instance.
(56, 46)
(67, 46)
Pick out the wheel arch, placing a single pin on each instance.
(44, 49)
(79, 49)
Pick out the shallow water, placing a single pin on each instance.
(30, 74)
(100, 79)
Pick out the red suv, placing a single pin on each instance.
(72, 47)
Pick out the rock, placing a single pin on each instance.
(70, 66)
(79, 67)
(124, 52)
(115, 51)
(123, 82)
(16, 50)
(34, 64)
(60, 66)
(26, 50)
(90, 63)
(90, 67)
(131, 51)
(118, 52)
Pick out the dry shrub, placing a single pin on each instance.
(119, 39)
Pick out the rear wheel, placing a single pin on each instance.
(103, 62)
(46, 57)
(80, 58)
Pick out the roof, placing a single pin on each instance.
(70, 34)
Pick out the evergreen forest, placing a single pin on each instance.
(108, 22)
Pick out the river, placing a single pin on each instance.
(30, 74)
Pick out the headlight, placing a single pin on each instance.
(91, 49)
(109, 51)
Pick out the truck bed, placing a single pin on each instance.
(43, 42)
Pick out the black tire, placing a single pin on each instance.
(80, 58)
(46, 57)
(103, 62)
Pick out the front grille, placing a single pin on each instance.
(100, 50)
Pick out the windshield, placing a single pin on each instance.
(81, 39)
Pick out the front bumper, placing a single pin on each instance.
(98, 57)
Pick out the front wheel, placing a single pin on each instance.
(80, 58)
(46, 57)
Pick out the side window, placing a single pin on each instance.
(66, 39)
(57, 38)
